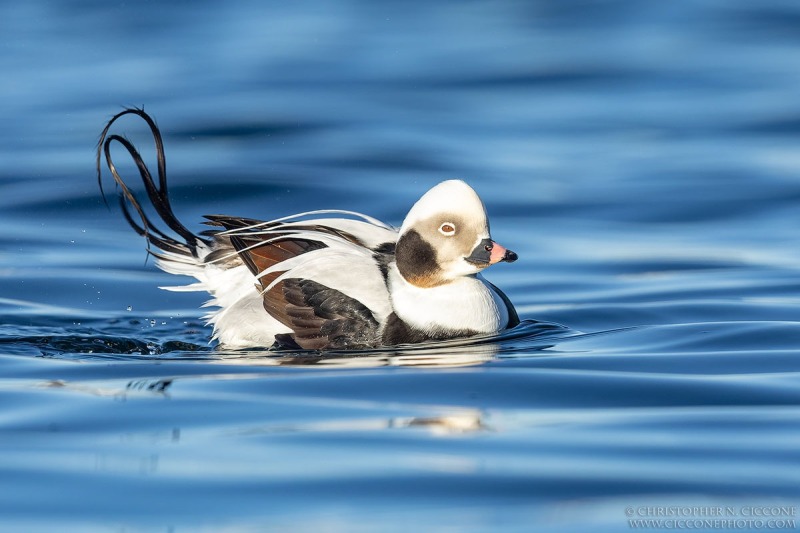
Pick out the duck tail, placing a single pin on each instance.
(186, 245)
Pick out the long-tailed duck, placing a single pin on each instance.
(329, 279)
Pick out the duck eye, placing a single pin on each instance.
(448, 229)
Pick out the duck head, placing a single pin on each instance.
(446, 236)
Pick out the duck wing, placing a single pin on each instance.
(319, 278)
(320, 317)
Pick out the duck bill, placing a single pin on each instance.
(489, 252)
(501, 254)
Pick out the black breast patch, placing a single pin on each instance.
(399, 332)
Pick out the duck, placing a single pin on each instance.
(330, 279)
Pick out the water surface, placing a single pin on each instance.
(641, 159)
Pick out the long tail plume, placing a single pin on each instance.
(157, 194)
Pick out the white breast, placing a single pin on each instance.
(466, 303)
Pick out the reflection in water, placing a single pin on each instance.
(528, 336)
(641, 184)
(159, 385)
(468, 422)
(106, 390)
(469, 355)
(112, 389)
(451, 424)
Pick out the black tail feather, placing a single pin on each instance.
(158, 195)
(151, 233)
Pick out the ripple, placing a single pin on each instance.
(529, 336)
(77, 345)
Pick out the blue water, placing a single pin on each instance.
(642, 158)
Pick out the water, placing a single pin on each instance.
(641, 159)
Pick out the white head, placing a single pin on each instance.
(446, 236)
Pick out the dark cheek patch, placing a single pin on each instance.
(416, 261)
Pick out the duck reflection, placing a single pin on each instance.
(527, 336)
(453, 423)
(111, 388)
